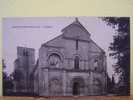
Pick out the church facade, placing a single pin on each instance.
(71, 64)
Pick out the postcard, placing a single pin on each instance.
(66, 56)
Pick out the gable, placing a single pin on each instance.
(95, 48)
(76, 31)
(56, 42)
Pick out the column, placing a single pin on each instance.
(91, 83)
(46, 82)
(64, 83)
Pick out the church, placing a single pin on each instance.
(70, 64)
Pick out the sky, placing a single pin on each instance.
(33, 31)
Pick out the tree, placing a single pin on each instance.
(121, 46)
(17, 75)
(109, 84)
(7, 81)
(4, 73)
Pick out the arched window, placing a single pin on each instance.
(76, 62)
(25, 53)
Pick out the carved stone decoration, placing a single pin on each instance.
(54, 60)
(55, 86)
(97, 85)
(96, 63)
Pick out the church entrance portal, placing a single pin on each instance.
(77, 86)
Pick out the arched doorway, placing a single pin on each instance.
(77, 86)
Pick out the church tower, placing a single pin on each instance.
(24, 65)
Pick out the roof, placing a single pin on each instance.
(98, 46)
(72, 31)
(57, 41)
(76, 22)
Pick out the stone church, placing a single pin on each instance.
(70, 64)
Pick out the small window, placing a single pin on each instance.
(95, 63)
(76, 44)
(76, 62)
(25, 53)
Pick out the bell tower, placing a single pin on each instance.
(24, 65)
